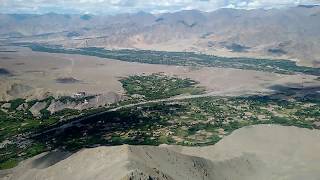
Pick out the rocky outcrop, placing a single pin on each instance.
(23, 107)
(94, 102)
(37, 107)
(56, 106)
(6, 105)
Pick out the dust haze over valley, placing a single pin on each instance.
(223, 91)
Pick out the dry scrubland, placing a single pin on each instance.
(35, 75)
(256, 152)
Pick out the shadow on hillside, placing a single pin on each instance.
(296, 91)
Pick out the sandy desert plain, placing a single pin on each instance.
(36, 75)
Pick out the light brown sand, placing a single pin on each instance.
(259, 152)
(100, 76)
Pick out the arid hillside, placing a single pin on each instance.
(257, 152)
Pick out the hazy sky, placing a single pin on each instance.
(124, 6)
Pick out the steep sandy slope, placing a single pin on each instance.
(258, 152)
(286, 152)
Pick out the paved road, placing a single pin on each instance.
(78, 120)
(161, 100)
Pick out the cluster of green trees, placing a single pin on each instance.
(158, 86)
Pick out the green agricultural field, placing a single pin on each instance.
(159, 86)
(192, 122)
(11, 154)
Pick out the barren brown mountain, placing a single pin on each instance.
(279, 33)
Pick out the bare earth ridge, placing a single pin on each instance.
(256, 152)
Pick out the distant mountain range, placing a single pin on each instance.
(280, 33)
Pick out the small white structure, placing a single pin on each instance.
(79, 95)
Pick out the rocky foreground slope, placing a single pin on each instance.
(258, 152)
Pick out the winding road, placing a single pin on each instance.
(74, 121)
